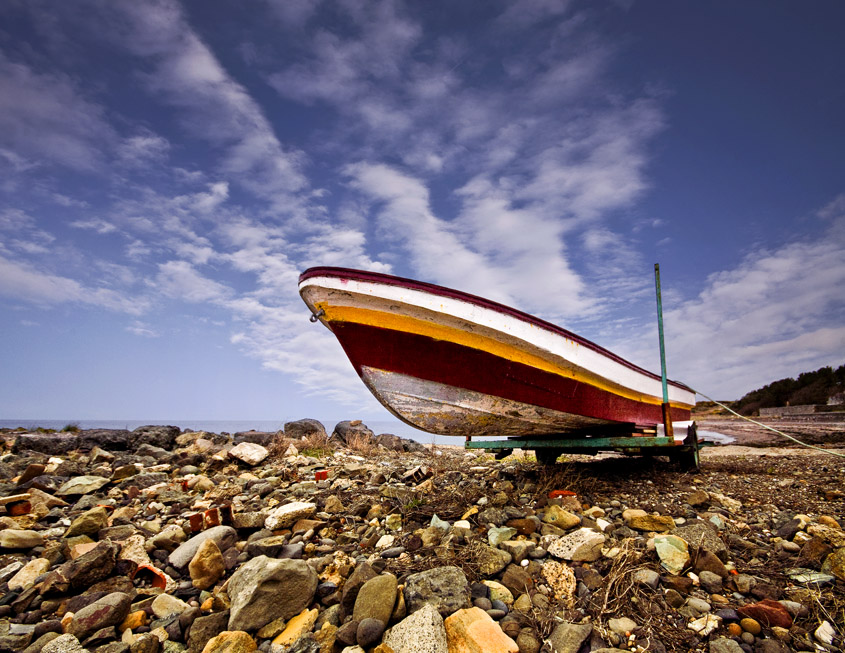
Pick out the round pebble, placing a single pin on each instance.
(735, 630)
(748, 638)
(483, 603)
(750, 625)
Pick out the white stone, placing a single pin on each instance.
(166, 605)
(289, 514)
(825, 633)
(249, 452)
(583, 545)
(705, 625)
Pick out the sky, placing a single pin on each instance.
(168, 169)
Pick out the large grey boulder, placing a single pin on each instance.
(157, 436)
(568, 637)
(304, 428)
(445, 588)
(110, 439)
(347, 432)
(265, 589)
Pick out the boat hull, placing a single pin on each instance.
(453, 364)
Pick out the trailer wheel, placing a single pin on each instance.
(547, 456)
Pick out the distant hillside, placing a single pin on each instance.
(809, 388)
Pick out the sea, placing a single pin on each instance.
(234, 426)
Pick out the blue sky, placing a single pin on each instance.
(168, 169)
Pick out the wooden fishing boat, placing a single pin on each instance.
(451, 363)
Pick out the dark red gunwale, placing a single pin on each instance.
(441, 291)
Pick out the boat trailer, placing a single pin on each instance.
(642, 442)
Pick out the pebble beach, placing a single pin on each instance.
(335, 539)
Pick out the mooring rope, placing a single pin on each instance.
(770, 428)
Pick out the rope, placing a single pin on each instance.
(766, 426)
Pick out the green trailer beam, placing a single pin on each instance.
(580, 443)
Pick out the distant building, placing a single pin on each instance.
(837, 400)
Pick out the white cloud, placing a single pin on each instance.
(23, 282)
(46, 120)
(144, 330)
(216, 107)
(180, 280)
(94, 224)
(777, 314)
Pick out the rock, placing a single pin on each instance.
(640, 520)
(491, 561)
(519, 549)
(264, 589)
(25, 578)
(568, 637)
(165, 605)
(673, 553)
(204, 628)
(82, 485)
(497, 535)
(768, 613)
(724, 645)
(421, 632)
(472, 630)
(369, 631)
(360, 575)
(300, 625)
(561, 579)
(583, 545)
(527, 641)
(622, 625)
(444, 587)
(14, 538)
(705, 625)
(89, 568)
(376, 600)
(517, 580)
(288, 514)
(750, 625)
(249, 453)
(648, 577)
(156, 436)
(561, 518)
(107, 611)
(352, 432)
(230, 642)
(825, 633)
(207, 565)
(223, 537)
(710, 582)
(703, 560)
(305, 429)
(702, 535)
(89, 523)
(66, 643)
(835, 564)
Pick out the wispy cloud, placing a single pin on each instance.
(22, 282)
(45, 120)
(216, 107)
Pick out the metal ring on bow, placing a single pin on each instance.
(316, 316)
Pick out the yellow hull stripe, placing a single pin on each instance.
(406, 324)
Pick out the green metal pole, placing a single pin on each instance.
(667, 420)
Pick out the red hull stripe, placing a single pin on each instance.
(462, 367)
(432, 289)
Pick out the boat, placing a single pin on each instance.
(455, 364)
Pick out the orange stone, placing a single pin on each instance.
(473, 631)
(133, 620)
